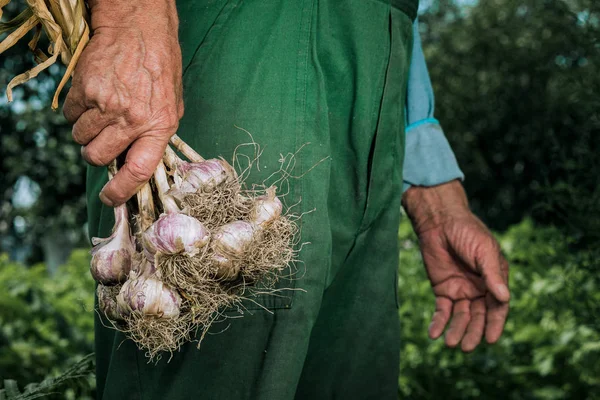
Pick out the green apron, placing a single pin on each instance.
(330, 75)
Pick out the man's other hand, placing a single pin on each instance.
(468, 273)
(126, 91)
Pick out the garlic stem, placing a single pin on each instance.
(162, 184)
(171, 159)
(112, 169)
(185, 149)
(121, 216)
(146, 207)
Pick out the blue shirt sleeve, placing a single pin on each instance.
(429, 159)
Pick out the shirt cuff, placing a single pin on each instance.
(429, 159)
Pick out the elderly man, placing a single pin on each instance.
(332, 73)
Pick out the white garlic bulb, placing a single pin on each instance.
(267, 208)
(149, 296)
(112, 256)
(230, 240)
(175, 233)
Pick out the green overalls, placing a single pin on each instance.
(330, 74)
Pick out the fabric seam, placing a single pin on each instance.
(421, 122)
(209, 34)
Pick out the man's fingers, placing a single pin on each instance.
(106, 146)
(140, 163)
(74, 105)
(89, 125)
(443, 307)
(476, 327)
(493, 268)
(496, 317)
(461, 315)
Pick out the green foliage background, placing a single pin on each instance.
(517, 90)
(46, 322)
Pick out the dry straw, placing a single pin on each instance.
(64, 22)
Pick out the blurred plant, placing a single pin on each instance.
(551, 346)
(65, 385)
(46, 322)
(517, 85)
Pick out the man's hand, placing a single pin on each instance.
(467, 271)
(127, 90)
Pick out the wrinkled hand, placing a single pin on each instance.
(126, 91)
(464, 263)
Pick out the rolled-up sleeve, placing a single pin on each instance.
(429, 159)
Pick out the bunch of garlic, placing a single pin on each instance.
(180, 266)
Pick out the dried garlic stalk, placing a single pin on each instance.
(65, 24)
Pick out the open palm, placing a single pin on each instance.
(468, 275)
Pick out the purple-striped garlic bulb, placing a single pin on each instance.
(205, 174)
(175, 233)
(200, 175)
(112, 256)
(148, 295)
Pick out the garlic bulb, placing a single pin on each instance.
(107, 303)
(149, 296)
(175, 233)
(112, 257)
(144, 265)
(225, 269)
(266, 208)
(230, 240)
(203, 175)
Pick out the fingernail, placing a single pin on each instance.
(106, 200)
(503, 292)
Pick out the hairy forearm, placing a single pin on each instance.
(428, 207)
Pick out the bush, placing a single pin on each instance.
(46, 322)
(551, 346)
(516, 84)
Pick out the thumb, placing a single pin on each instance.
(140, 163)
